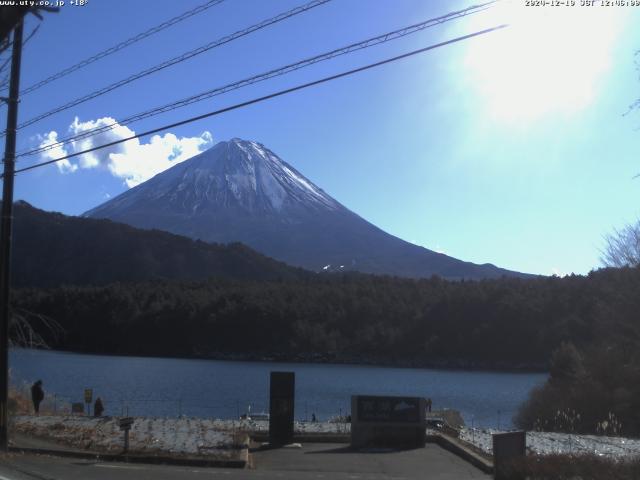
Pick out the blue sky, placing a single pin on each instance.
(511, 148)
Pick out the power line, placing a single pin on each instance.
(264, 98)
(5, 81)
(386, 37)
(124, 44)
(176, 60)
(26, 40)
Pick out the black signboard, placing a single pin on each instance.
(125, 423)
(281, 406)
(388, 409)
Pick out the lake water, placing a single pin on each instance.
(224, 389)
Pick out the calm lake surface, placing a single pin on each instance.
(224, 389)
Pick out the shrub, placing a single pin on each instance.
(596, 392)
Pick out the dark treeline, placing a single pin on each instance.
(594, 390)
(506, 323)
(51, 249)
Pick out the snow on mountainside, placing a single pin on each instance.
(241, 191)
(234, 174)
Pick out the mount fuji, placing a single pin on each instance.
(240, 191)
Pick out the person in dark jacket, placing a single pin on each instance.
(98, 408)
(37, 395)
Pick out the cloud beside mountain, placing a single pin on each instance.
(133, 161)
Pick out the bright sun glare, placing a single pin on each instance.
(549, 60)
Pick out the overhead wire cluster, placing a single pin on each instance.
(266, 97)
(370, 42)
(124, 44)
(386, 37)
(4, 84)
(175, 60)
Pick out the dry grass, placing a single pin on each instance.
(20, 403)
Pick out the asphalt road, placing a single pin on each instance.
(312, 461)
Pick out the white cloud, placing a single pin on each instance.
(140, 162)
(64, 166)
(133, 161)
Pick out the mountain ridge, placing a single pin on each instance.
(52, 249)
(241, 191)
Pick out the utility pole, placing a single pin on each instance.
(5, 231)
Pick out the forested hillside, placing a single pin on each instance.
(506, 323)
(51, 249)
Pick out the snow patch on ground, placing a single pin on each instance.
(153, 435)
(182, 436)
(262, 426)
(544, 443)
(198, 436)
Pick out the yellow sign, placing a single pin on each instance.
(88, 395)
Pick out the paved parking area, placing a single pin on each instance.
(327, 460)
(311, 461)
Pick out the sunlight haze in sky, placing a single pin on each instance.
(549, 60)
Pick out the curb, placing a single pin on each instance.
(457, 448)
(242, 462)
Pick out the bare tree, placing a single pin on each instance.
(23, 333)
(622, 247)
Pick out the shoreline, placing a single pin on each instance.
(328, 359)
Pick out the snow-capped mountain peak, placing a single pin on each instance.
(237, 173)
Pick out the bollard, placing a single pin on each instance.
(473, 429)
(88, 398)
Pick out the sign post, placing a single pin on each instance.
(125, 424)
(88, 397)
